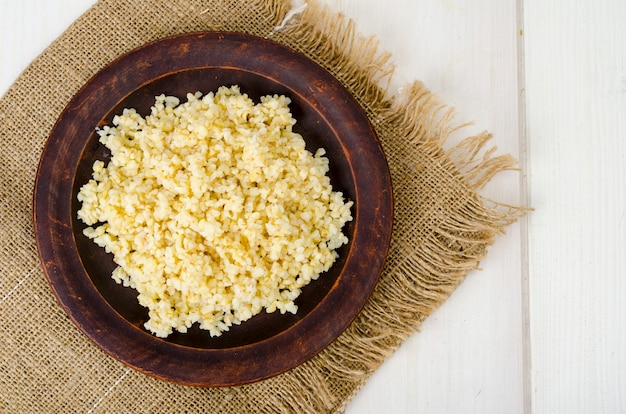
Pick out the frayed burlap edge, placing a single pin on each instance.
(442, 228)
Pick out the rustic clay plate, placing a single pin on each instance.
(268, 344)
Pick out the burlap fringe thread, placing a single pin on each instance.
(442, 226)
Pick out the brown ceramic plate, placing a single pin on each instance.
(268, 344)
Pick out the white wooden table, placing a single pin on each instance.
(542, 327)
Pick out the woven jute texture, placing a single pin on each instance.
(442, 227)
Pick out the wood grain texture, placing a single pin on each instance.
(576, 125)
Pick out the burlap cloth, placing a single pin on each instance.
(443, 227)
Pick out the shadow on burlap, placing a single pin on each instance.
(442, 226)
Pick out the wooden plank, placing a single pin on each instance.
(28, 27)
(469, 355)
(576, 126)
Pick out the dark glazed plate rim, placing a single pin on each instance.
(63, 265)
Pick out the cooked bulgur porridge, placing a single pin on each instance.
(213, 209)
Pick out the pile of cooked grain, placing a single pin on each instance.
(213, 209)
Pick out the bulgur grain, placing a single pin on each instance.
(213, 209)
